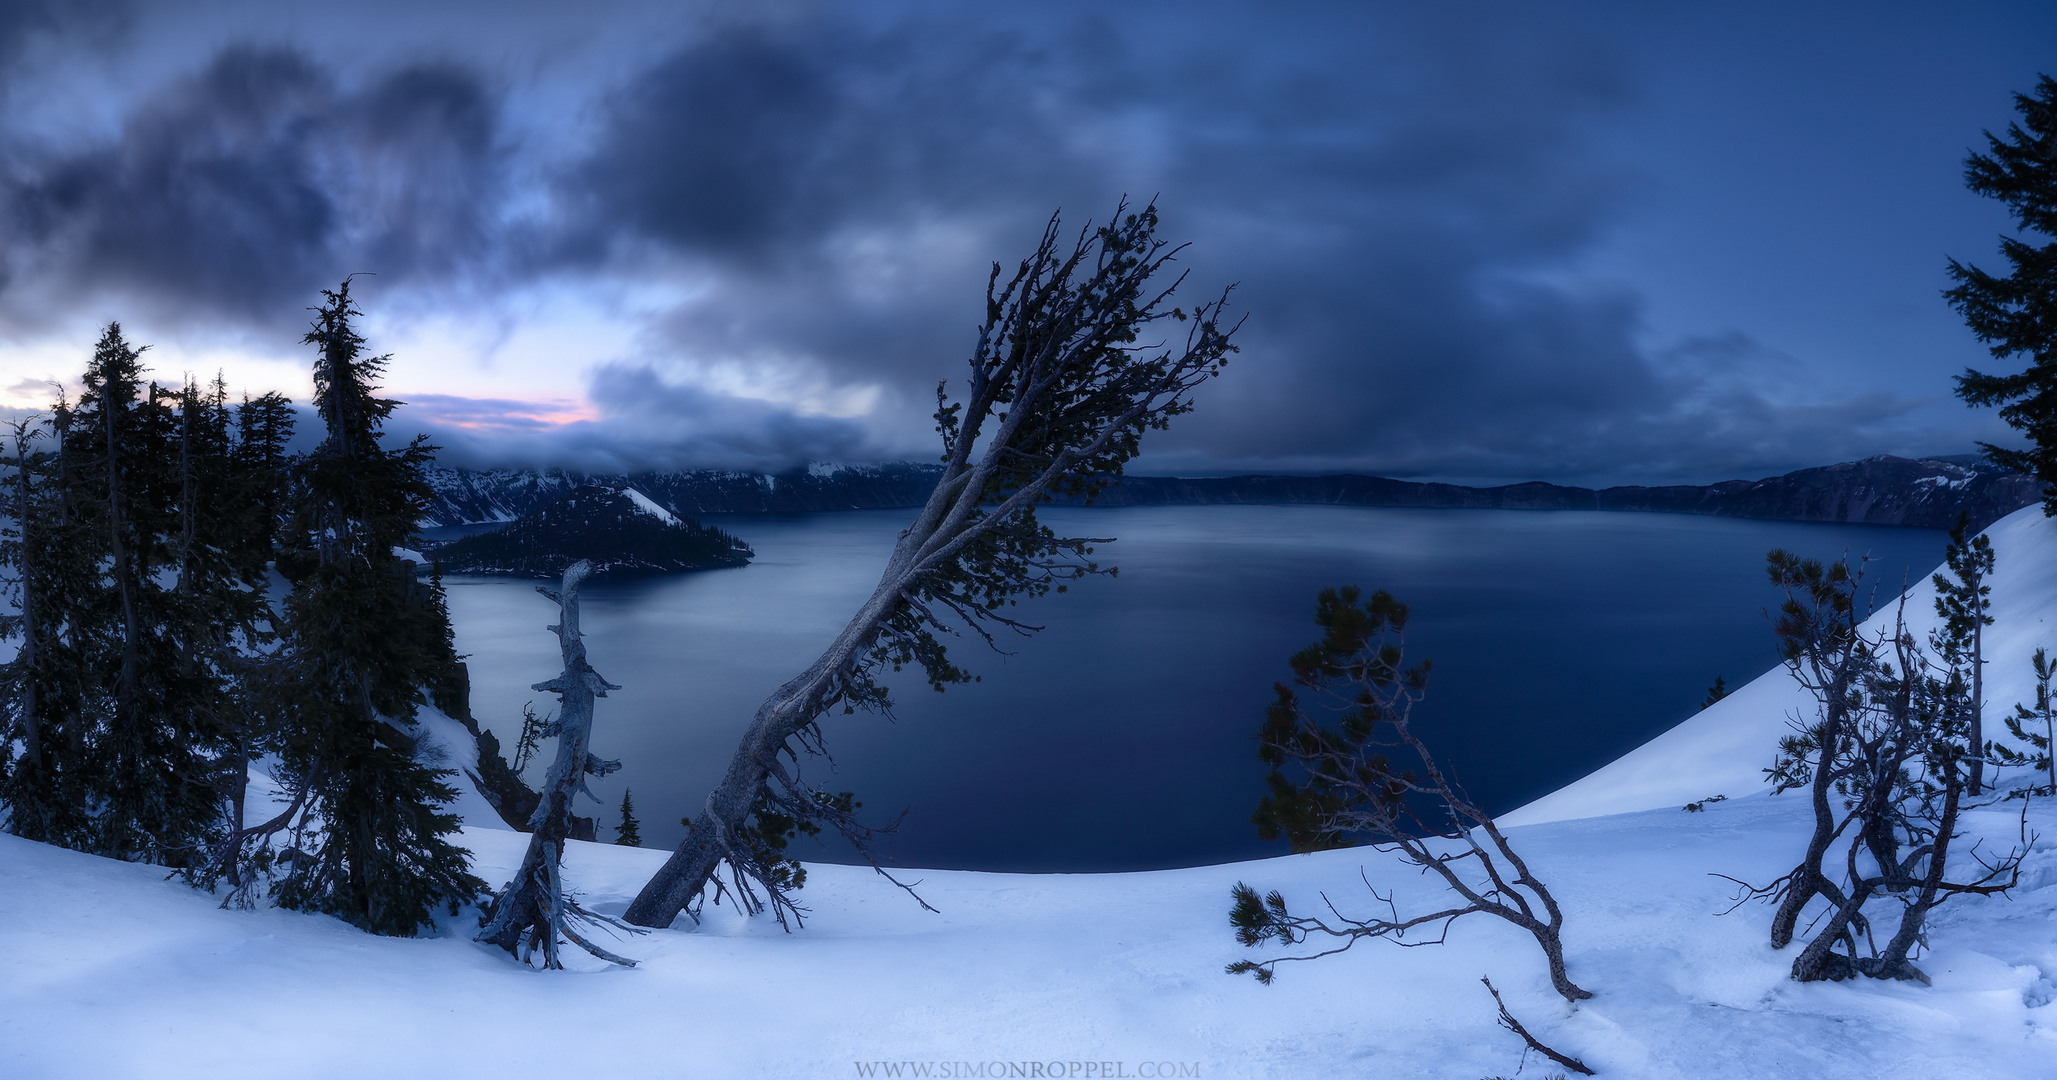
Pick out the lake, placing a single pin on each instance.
(1123, 736)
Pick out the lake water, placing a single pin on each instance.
(1122, 737)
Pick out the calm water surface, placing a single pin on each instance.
(1122, 737)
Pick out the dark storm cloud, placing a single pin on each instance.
(1379, 194)
(1406, 196)
(23, 22)
(244, 188)
(757, 143)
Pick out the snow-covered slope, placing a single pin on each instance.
(113, 971)
(1724, 749)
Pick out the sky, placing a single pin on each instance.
(1589, 243)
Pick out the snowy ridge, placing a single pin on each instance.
(644, 503)
(1724, 749)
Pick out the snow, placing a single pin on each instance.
(649, 506)
(114, 971)
(1725, 748)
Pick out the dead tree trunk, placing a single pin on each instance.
(532, 912)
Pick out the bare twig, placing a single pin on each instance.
(1508, 1021)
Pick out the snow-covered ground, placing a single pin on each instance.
(112, 971)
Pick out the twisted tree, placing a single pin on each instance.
(1348, 768)
(532, 912)
(1061, 391)
(1891, 759)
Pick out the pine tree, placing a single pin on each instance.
(51, 683)
(1061, 391)
(1716, 692)
(152, 751)
(42, 786)
(2041, 757)
(2016, 315)
(630, 833)
(366, 639)
(1964, 604)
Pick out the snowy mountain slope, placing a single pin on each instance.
(1724, 749)
(114, 971)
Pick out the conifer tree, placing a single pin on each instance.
(42, 787)
(1061, 391)
(1964, 602)
(2042, 753)
(152, 749)
(50, 684)
(2016, 315)
(630, 834)
(373, 845)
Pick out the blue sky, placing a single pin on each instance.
(1591, 243)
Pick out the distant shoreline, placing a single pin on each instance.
(1926, 493)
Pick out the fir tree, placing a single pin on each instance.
(156, 734)
(1716, 692)
(1964, 603)
(42, 785)
(51, 686)
(630, 833)
(2023, 724)
(366, 639)
(2016, 315)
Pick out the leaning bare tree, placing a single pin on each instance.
(1348, 768)
(1061, 391)
(532, 911)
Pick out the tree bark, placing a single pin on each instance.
(531, 912)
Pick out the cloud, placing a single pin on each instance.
(244, 188)
(644, 422)
(803, 205)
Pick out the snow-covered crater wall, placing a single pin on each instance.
(1724, 749)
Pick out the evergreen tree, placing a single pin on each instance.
(366, 639)
(51, 684)
(43, 785)
(151, 753)
(1964, 603)
(630, 834)
(2022, 725)
(1062, 389)
(2016, 315)
(1716, 692)
(139, 611)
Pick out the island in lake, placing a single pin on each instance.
(619, 528)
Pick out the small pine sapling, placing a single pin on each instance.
(630, 833)
(2022, 726)
(1347, 768)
